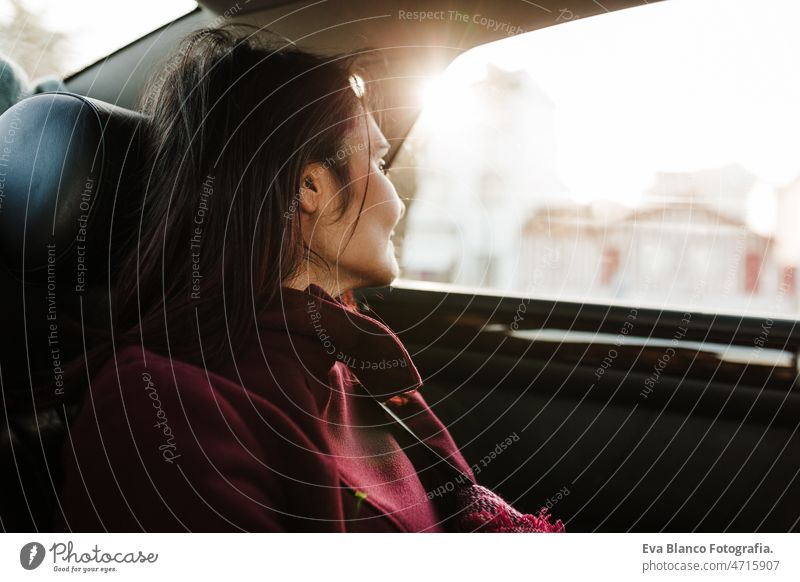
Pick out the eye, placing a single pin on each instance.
(382, 166)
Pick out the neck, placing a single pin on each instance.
(333, 285)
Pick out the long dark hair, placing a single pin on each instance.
(234, 117)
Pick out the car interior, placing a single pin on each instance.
(631, 416)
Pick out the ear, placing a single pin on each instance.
(317, 188)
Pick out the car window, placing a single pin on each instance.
(57, 38)
(638, 156)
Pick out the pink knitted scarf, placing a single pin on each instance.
(482, 510)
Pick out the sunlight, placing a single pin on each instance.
(447, 100)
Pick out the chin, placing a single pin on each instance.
(382, 274)
(386, 278)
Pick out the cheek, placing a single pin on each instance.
(377, 231)
(390, 207)
(381, 212)
(371, 245)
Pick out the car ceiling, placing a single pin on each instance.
(399, 53)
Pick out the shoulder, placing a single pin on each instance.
(146, 383)
(160, 433)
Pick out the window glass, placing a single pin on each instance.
(649, 155)
(58, 37)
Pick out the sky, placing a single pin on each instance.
(679, 85)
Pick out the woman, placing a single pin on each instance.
(245, 392)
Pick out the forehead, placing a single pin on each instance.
(369, 130)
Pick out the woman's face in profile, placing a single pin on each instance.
(368, 258)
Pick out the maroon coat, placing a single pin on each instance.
(285, 440)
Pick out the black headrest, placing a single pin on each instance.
(67, 162)
(70, 189)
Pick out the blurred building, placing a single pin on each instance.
(787, 234)
(490, 211)
(688, 245)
